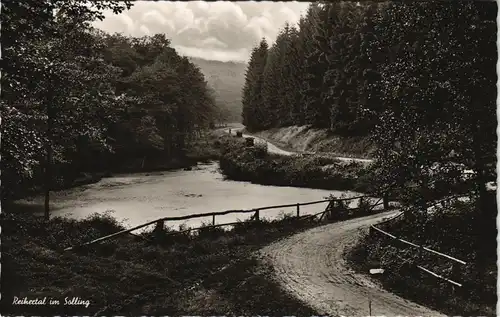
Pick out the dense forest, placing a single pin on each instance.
(419, 78)
(78, 100)
(345, 64)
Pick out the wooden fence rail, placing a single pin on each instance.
(419, 246)
(160, 222)
(439, 276)
(422, 248)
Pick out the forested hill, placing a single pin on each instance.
(227, 79)
(80, 100)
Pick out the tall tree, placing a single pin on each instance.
(345, 66)
(79, 100)
(294, 62)
(316, 111)
(276, 74)
(438, 87)
(49, 34)
(252, 100)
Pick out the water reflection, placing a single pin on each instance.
(137, 198)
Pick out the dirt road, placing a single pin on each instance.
(311, 266)
(271, 148)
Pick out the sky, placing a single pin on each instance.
(222, 30)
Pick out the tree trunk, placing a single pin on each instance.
(48, 179)
(48, 159)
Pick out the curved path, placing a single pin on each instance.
(311, 266)
(276, 150)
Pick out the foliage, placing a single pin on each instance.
(239, 162)
(441, 231)
(51, 76)
(418, 78)
(319, 74)
(78, 100)
(252, 99)
(439, 95)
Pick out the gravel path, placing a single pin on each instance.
(311, 266)
(271, 148)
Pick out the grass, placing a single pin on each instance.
(211, 272)
(239, 162)
(306, 138)
(453, 231)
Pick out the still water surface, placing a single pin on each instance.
(138, 198)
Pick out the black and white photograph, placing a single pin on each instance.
(242, 158)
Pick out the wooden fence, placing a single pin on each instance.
(421, 249)
(255, 217)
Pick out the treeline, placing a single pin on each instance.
(77, 100)
(346, 63)
(418, 78)
(316, 73)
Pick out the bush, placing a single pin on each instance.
(238, 162)
(448, 230)
(140, 275)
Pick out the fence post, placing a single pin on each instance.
(158, 230)
(159, 225)
(257, 218)
(386, 200)
(213, 220)
(298, 210)
(328, 210)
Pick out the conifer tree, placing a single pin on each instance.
(314, 67)
(276, 76)
(252, 90)
(270, 88)
(295, 68)
(345, 65)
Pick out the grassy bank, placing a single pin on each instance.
(212, 272)
(239, 162)
(308, 139)
(452, 232)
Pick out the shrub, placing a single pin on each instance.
(139, 274)
(242, 163)
(365, 206)
(449, 230)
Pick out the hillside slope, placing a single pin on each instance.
(308, 139)
(227, 78)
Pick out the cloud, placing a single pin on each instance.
(219, 30)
